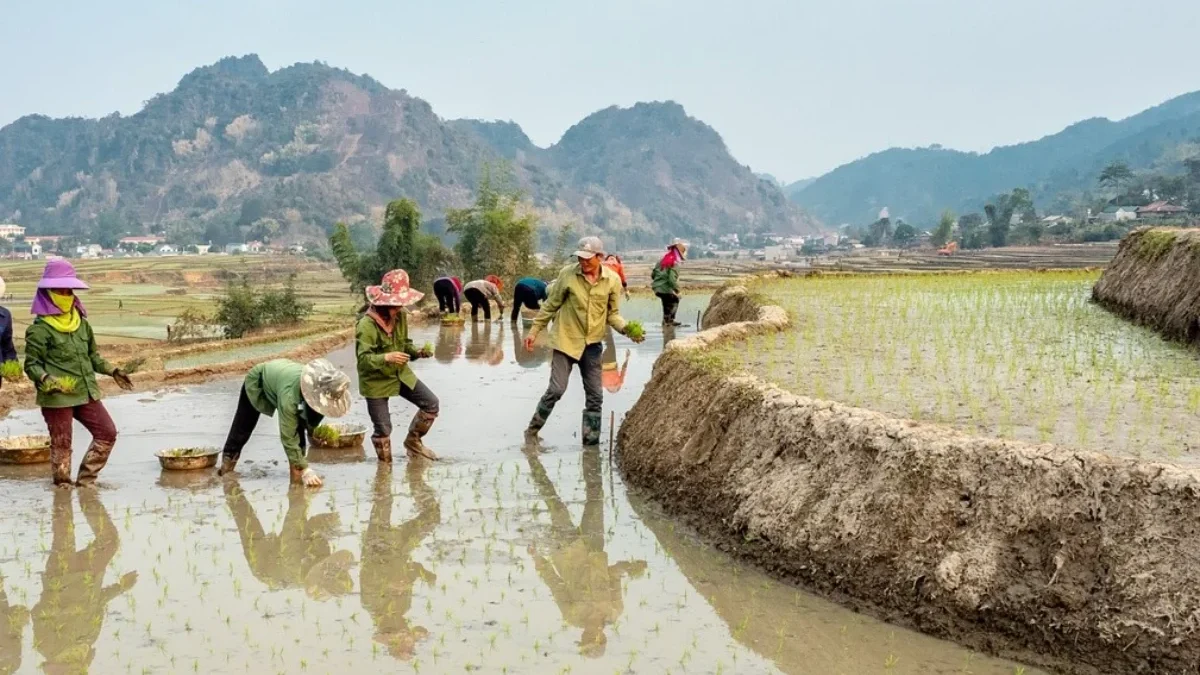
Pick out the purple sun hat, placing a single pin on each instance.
(60, 273)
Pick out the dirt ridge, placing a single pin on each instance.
(1154, 280)
(1067, 559)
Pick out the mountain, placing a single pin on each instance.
(918, 183)
(236, 151)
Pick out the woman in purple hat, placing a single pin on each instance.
(62, 361)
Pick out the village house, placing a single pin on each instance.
(166, 249)
(11, 232)
(1117, 214)
(1160, 210)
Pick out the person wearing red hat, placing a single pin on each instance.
(384, 351)
(61, 359)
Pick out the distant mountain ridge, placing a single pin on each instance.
(236, 151)
(918, 183)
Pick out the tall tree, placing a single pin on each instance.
(1114, 174)
(494, 236)
(945, 226)
(402, 245)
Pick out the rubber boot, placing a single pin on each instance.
(60, 466)
(539, 420)
(383, 449)
(421, 423)
(228, 464)
(592, 422)
(93, 462)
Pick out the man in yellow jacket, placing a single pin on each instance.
(584, 301)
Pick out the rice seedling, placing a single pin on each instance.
(11, 371)
(635, 330)
(64, 384)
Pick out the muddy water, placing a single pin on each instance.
(495, 560)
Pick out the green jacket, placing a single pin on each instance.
(378, 378)
(665, 281)
(275, 386)
(54, 354)
(581, 310)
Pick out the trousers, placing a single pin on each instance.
(381, 415)
(589, 372)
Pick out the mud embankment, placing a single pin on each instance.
(22, 394)
(1072, 560)
(1154, 280)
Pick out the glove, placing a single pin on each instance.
(310, 479)
(123, 380)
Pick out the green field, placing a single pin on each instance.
(1020, 355)
(135, 299)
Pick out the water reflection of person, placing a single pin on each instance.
(668, 335)
(388, 571)
(68, 617)
(12, 632)
(530, 358)
(481, 349)
(611, 376)
(449, 344)
(586, 588)
(300, 556)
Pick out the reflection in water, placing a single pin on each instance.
(668, 335)
(612, 376)
(481, 349)
(388, 571)
(300, 555)
(12, 629)
(449, 343)
(541, 349)
(576, 570)
(68, 617)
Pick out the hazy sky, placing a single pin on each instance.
(795, 88)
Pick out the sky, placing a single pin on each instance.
(796, 88)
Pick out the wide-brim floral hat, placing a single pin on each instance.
(393, 291)
(325, 388)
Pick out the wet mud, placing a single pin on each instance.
(499, 559)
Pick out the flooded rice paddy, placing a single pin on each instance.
(496, 560)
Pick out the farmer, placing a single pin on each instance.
(61, 359)
(8, 351)
(303, 395)
(528, 293)
(481, 292)
(584, 302)
(664, 279)
(449, 292)
(613, 262)
(384, 350)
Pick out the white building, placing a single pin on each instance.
(166, 249)
(10, 232)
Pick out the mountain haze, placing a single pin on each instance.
(236, 151)
(918, 183)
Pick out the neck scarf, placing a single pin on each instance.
(69, 320)
(384, 325)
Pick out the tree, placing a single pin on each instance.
(1114, 174)
(880, 232)
(1000, 214)
(109, 229)
(564, 240)
(904, 234)
(493, 238)
(401, 246)
(945, 226)
(970, 227)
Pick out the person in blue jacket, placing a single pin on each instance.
(529, 292)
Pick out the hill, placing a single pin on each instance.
(236, 151)
(918, 183)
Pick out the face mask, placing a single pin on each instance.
(64, 302)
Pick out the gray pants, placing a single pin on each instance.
(589, 370)
(381, 416)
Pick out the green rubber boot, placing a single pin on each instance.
(591, 427)
(539, 420)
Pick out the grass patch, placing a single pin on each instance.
(1018, 354)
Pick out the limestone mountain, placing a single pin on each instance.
(918, 183)
(236, 151)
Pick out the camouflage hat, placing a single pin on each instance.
(589, 247)
(325, 388)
